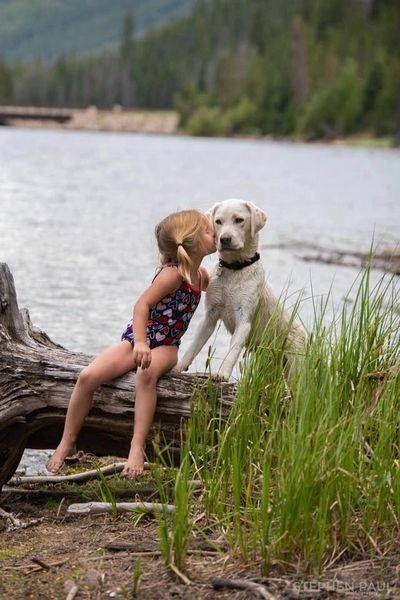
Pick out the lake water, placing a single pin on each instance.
(78, 210)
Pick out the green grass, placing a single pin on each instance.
(105, 491)
(372, 142)
(310, 473)
(12, 552)
(136, 577)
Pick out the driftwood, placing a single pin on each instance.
(75, 478)
(101, 508)
(13, 522)
(221, 583)
(73, 590)
(385, 259)
(37, 377)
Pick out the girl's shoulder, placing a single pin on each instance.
(165, 283)
(167, 276)
(169, 271)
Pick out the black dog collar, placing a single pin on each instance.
(239, 264)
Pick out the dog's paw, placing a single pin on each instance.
(180, 367)
(221, 376)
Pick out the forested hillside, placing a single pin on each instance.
(31, 29)
(308, 68)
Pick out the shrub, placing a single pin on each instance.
(187, 101)
(244, 117)
(336, 109)
(208, 121)
(275, 104)
(385, 118)
(6, 84)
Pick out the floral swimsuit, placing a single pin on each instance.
(169, 319)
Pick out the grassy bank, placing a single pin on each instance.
(312, 473)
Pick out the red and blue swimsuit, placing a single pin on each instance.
(169, 319)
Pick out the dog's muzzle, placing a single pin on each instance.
(225, 242)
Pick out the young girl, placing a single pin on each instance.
(150, 342)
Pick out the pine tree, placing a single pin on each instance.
(6, 84)
(127, 43)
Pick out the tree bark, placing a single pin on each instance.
(37, 377)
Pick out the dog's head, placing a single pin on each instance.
(236, 223)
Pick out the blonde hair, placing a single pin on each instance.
(178, 239)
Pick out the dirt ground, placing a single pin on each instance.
(66, 556)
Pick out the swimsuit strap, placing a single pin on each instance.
(171, 264)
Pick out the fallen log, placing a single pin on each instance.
(37, 377)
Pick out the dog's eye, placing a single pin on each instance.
(239, 220)
(218, 221)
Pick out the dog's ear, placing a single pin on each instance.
(211, 211)
(258, 218)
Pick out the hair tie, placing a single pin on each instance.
(180, 244)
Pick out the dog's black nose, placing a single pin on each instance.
(225, 241)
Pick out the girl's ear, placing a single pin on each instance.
(258, 218)
(211, 212)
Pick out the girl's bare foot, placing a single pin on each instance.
(135, 464)
(56, 461)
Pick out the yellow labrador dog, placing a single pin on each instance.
(238, 292)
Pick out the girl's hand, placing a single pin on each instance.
(141, 355)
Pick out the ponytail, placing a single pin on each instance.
(184, 263)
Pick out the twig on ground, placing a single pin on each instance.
(42, 565)
(220, 583)
(15, 523)
(133, 551)
(181, 575)
(59, 506)
(118, 546)
(72, 593)
(91, 508)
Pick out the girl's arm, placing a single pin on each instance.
(164, 284)
(204, 279)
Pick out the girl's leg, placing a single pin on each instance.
(163, 358)
(111, 363)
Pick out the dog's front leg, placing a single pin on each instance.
(238, 342)
(202, 335)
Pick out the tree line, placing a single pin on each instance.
(308, 68)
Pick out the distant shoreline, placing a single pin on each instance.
(120, 120)
(116, 120)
